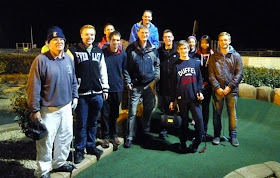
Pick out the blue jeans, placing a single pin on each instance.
(88, 109)
(148, 105)
(231, 103)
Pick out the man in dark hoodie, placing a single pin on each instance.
(91, 72)
(144, 71)
(225, 74)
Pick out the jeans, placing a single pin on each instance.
(110, 114)
(148, 105)
(231, 103)
(194, 108)
(87, 111)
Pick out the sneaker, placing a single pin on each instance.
(192, 149)
(115, 141)
(216, 141)
(65, 168)
(163, 134)
(127, 143)
(78, 157)
(105, 143)
(234, 142)
(94, 151)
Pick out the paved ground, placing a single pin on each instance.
(88, 161)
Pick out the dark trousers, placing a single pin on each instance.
(205, 103)
(110, 114)
(194, 108)
(87, 112)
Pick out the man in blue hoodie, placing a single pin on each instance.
(153, 30)
(225, 74)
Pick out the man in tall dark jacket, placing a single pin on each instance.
(144, 72)
(168, 55)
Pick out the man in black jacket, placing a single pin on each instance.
(144, 72)
(168, 55)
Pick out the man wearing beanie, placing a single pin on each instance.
(51, 96)
(92, 77)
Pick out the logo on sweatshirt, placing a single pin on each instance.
(188, 71)
(69, 69)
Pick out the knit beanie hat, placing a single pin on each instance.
(193, 37)
(55, 32)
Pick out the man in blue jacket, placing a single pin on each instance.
(144, 71)
(153, 30)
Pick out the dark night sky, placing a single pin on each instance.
(253, 26)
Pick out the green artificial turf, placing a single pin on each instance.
(258, 134)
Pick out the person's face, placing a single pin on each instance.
(88, 36)
(115, 42)
(224, 41)
(57, 44)
(192, 43)
(108, 29)
(147, 18)
(143, 34)
(183, 51)
(204, 45)
(168, 38)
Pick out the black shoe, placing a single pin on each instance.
(127, 143)
(183, 147)
(65, 168)
(192, 149)
(94, 151)
(78, 157)
(47, 175)
(163, 134)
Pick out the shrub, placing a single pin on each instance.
(11, 63)
(20, 108)
(261, 77)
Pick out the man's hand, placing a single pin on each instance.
(129, 86)
(171, 106)
(36, 117)
(227, 90)
(74, 103)
(220, 92)
(199, 96)
(105, 96)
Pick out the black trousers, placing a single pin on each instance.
(110, 114)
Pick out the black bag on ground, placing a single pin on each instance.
(170, 121)
(36, 131)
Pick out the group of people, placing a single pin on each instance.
(89, 78)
